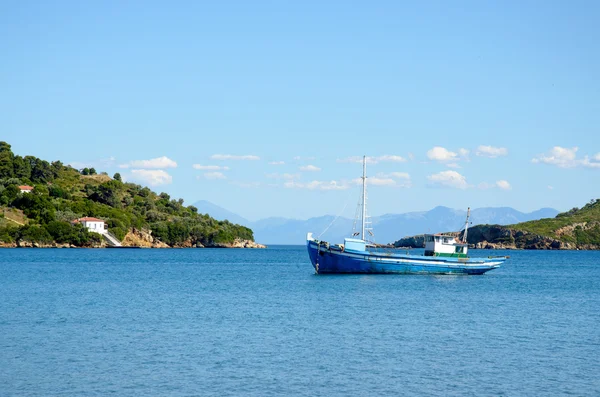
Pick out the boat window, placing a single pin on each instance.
(437, 239)
(459, 250)
(446, 240)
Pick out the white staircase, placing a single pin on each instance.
(111, 239)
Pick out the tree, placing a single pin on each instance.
(62, 232)
(22, 168)
(11, 192)
(85, 171)
(34, 233)
(92, 171)
(42, 172)
(57, 191)
(6, 161)
(106, 193)
(117, 177)
(57, 167)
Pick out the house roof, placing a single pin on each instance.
(88, 219)
(26, 187)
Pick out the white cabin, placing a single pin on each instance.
(93, 224)
(444, 245)
(26, 189)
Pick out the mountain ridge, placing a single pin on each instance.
(387, 227)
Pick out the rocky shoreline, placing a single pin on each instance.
(501, 237)
(136, 239)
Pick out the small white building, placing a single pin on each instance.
(26, 189)
(93, 224)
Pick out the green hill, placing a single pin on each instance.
(578, 228)
(62, 194)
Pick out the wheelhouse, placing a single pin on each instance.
(444, 245)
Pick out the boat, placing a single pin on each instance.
(444, 253)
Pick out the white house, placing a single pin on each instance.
(26, 189)
(93, 224)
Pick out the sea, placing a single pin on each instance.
(242, 322)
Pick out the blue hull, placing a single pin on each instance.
(328, 259)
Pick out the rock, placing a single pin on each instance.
(142, 238)
(237, 243)
(411, 242)
(184, 244)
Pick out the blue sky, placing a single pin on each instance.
(457, 103)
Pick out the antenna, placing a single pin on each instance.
(364, 198)
(466, 225)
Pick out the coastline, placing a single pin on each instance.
(238, 244)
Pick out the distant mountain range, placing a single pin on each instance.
(386, 228)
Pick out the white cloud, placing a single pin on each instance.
(504, 185)
(98, 164)
(559, 156)
(450, 179)
(157, 163)
(246, 185)
(391, 158)
(501, 184)
(400, 175)
(491, 151)
(376, 181)
(586, 162)
(150, 177)
(373, 160)
(214, 175)
(567, 158)
(443, 155)
(439, 153)
(550, 187)
(381, 181)
(316, 185)
(282, 176)
(356, 159)
(310, 168)
(297, 158)
(277, 162)
(210, 167)
(234, 157)
(394, 179)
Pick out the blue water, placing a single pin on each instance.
(195, 322)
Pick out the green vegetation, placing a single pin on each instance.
(62, 194)
(578, 226)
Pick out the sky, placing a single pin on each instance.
(265, 108)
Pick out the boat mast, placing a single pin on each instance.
(364, 198)
(466, 225)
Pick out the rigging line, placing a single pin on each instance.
(336, 218)
(357, 214)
